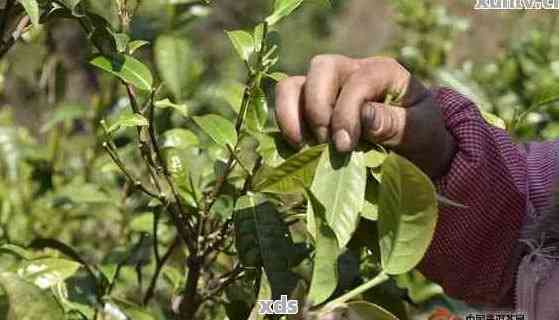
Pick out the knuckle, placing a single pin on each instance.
(284, 85)
(324, 60)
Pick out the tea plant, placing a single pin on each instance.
(214, 210)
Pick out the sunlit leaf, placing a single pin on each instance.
(27, 301)
(127, 68)
(133, 46)
(47, 272)
(493, 120)
(166, 103)
(277, 76)
(374, 158)
(339, 185)
(291, 175)
(221, 130)
(142, 223)
(282, 8)
(177, 64)
(325, 270)
(257, 113)
(420, 290)
(242, 42)
(407, 214)
(179, 138)
(32, 9)
(127, 120)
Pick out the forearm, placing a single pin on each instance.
(472, 249)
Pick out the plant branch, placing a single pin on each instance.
(137, 183)
(225, 280)
(7, 8)
(380, 278)
(160, 263)
(20, 29)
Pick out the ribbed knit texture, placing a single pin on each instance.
(498, 181)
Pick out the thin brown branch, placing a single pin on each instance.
(20, 29)
(160, 263)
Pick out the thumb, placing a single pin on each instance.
(383, 124)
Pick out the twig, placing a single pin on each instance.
(7, 8)
(226, 280)
(160, 263)
(137, 183)
(20, 29)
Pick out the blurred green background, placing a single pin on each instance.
(57, 182)
(501, 58)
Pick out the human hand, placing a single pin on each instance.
(341, 99)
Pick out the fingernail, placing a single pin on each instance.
(369, 116)
(343, 141)
(322, 134)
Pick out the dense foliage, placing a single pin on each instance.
(159, 186)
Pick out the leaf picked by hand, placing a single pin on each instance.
(127, 69)
(291, 175)
(407, 214)
(339, 184)
(325, 270)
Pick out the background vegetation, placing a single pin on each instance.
(109, 251)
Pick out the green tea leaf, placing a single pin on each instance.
(127, 68)
(242, 42)
(420, 290)
(218, 128)
(374, 158)
(407, 214)
(370, 208)
(127, 120)
(257, 113)
(325, 271)
(264, 293)
(282, 8)
(179, 138)
(133, 46)
(166, 103)
(32, 9)
(277, 76)
(47, 272)
(28, 302)
(177, 64)
(493, 120)
(121, 41)
(339, 185)
(263, 240)
(293, 174)
(142, 223)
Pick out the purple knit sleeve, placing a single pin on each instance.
(499, 182)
